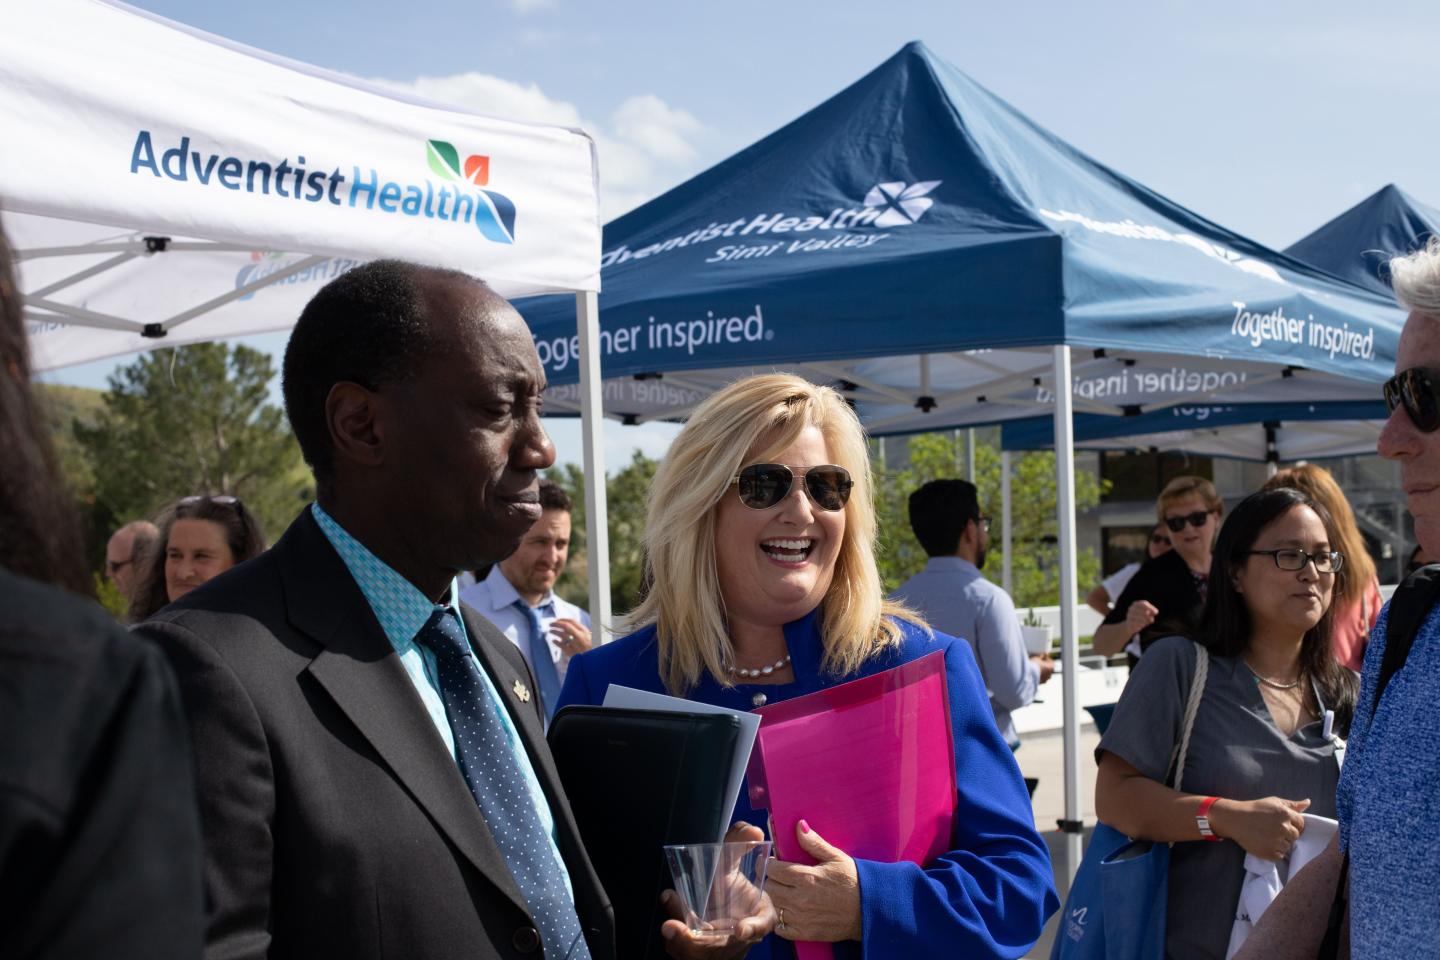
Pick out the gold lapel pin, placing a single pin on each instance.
(521, 691)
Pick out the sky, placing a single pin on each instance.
(1269, 118)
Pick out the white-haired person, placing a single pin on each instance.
(1389, 787)
(760, 542)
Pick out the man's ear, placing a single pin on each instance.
(355, 418)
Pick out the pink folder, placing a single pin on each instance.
(869, 764)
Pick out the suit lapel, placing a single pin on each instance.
(360, 671)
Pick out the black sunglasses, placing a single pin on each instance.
(1196, 519)
(1157, 538)
(762, 485)
(1414, 389)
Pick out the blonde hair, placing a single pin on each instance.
(684, 601)
(1319, 485)
(1182, 488)
(1416, 279)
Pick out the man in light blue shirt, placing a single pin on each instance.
(956, 599)
(518, 596)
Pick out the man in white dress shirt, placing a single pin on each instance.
(956, 599)
(518, 596)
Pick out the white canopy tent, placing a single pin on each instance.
(164, 186)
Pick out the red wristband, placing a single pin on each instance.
(1202, 819)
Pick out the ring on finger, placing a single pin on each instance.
(781, 925)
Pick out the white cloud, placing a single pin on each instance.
(530, 6)
(646, 147)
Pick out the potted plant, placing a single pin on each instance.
(1036, 634)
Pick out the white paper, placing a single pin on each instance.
(629, 698)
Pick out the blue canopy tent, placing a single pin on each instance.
(1268, 433)
(1357, 243)
(924, 246)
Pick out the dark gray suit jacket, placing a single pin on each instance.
(336, 823)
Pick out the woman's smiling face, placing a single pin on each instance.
(775, 565)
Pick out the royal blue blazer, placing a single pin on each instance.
(989, 896)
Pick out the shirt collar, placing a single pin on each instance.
(503, 593)
(951, 563)
(399, 605)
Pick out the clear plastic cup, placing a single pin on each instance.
(719, 884)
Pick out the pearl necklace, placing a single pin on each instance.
(761, 671)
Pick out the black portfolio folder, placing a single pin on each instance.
(638, 780)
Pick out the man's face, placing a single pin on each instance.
(119, 563)
(463, 439)
(1418, 453)
(540, 559)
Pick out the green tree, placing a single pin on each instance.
(190, 420)
(627, 498)
(1034, 568)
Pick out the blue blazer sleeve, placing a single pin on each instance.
(991, 895)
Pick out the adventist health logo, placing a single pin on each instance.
(886, 205)
(461, 200)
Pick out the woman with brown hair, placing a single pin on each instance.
(1357, 596)
(200, 538)
(99, 831)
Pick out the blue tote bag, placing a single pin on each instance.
(1116, 906)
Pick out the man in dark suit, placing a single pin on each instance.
(373, 774)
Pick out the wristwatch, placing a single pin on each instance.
(1202, 820)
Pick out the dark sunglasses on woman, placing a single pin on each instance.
(1196, 519)
(1415, 390)
(762, 485)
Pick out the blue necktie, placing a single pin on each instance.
(500, 790)
(541, 662)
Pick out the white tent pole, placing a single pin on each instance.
(592, 416)
(970, 454)
(1006, 580)
(1073, 824)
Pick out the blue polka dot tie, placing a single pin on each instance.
(540, 660)
(500, 790)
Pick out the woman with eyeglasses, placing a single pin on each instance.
(760, 542)
(1357, 599)
(1262, 751)
(200, 538)
(1166, 595)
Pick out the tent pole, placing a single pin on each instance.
(1073, 824)
(970, 454)
(1006, 580)
(592, 416)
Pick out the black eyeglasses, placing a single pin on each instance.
(762, 485)
(1415, 390)
(1196, 519)
(115, 566)
(1155, 538)
(1326, 561)
(984, 523)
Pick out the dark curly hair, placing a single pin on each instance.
(40, 532)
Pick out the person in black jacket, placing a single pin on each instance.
(99, 839)
(374, 779)
(1166, 595)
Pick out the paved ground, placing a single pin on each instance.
(1042, 755)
